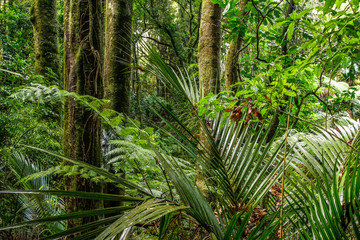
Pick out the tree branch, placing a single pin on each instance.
(157, 41)
(258, 28)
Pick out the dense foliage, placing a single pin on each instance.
(275, 156)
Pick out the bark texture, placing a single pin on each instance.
(209, 69)
(44, 21)
(232, 57)
(82, 75)
(209, 47)
(117, 71)
(3, 6)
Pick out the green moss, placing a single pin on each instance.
(232, 57)
(117, 74)
(44, 20)
(209, 47)
(82, 75)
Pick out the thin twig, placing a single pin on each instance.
(167, 181)
(283, 172)
(143, 176)
(258, 28)
(157, 41)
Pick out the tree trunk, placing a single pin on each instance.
(83, 76)
(209, 70)
(44, 20)
(2, 30)
(232, 57)
(209, 47)
(117, 62)
(117, 71)
(287, 62)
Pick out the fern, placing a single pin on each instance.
(66, 170)
(37, 93)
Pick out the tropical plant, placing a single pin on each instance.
(241, 194)
(324, 196)
(33, 206)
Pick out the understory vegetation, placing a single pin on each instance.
(179, 119)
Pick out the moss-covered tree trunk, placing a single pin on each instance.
(117, 71)
(3, 9)
(209, 69)
(44, 20)
(210, 46)
(82, 75)
(232, 57)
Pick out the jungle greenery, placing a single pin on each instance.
(270, 152)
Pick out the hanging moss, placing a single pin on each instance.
(43, 18)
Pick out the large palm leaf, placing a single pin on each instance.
(322, 191)
(233, 157)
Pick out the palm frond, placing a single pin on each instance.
(322, 184)
(99, 171)
(143, 214)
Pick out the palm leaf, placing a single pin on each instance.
(147, 212)
(83, 214)
(98, 170)
(84, 228)
(328, 211)
(83, 195)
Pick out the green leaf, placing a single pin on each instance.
(328, 5)
(289, 93)
(83, 228)
(83, 195)
(291, 31)
(164, 224)
(303, 13)
(98, 170)
(93, 212)
(355, 4)
(145, 213)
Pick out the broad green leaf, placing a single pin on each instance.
(328, 5)
(291, 29)
(303, 13)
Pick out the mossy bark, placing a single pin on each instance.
(117, 65)
(232, 57)
(117, 71)
(209, 69)
(3, 9)
(82, 74)
(44, 20)
(209, 47)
